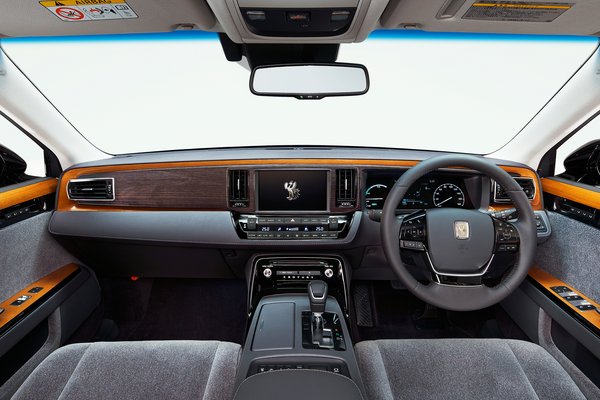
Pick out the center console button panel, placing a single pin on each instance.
(292, 227)
(289, 274)
(282, 363)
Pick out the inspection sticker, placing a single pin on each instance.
(519, 11)
(89, 10)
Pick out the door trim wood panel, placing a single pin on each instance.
(579, 194)
(547, 281)
(12, 197)
(48, 283)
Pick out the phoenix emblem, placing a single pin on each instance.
(292, 189)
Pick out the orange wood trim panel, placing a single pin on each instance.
(548, 281)
(64, 204)
(25, 193)
(48, 283)
(571, 192)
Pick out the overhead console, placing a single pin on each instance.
(298, 21)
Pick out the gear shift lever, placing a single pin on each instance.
(317, 296)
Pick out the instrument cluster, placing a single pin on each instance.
(433, 190)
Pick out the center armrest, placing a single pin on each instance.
(298, 385)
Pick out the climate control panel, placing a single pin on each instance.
(279, 227)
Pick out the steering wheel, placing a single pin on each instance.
(458, 246)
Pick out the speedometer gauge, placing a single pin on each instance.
(448, 195)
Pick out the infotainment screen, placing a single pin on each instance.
(292, 190)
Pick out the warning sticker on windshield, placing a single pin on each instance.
(516, 11)
(89, 10)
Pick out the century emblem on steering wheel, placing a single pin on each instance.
(461, 230)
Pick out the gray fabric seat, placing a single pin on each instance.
(136, 370)
(462, 369)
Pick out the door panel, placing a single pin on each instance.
(569, 260)
(572, 254)
(59, 294)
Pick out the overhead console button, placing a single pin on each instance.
(257, 16)
(338, 16)
(298, 16)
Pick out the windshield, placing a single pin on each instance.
(451, 92)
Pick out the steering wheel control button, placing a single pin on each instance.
(412, 245)
(507, 237)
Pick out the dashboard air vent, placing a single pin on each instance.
(238, 188)
(528, 185)
(345, 191)
(92, 189)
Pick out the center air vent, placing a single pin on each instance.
(238, 188)
(93, 189)
(345, 190)
(528, 185)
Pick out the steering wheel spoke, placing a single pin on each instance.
(413, 232)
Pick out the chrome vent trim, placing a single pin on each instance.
(101, 194)
(238, 188)
(345, 188)
(507, 199)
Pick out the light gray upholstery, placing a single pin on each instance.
(28, 253)
(462, 369)
(571, 254)
(136, 370)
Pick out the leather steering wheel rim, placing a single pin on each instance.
(460, 298)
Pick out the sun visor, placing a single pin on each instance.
(569, 17)
(23, 18)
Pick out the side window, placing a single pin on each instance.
(21, 158)
(578, 159)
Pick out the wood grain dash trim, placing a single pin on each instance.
(48, 283)
(578, 194)
(64, 204)
(25, 193)
(547, 281)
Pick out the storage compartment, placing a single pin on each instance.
(275, 328)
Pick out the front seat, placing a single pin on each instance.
(462, 369)
(136, 370)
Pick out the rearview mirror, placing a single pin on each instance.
(310, 81)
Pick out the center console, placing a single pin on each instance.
(298, 332)
(294, 204)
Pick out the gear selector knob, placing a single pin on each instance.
(317, 295)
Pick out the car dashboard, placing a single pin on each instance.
(227, 206)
